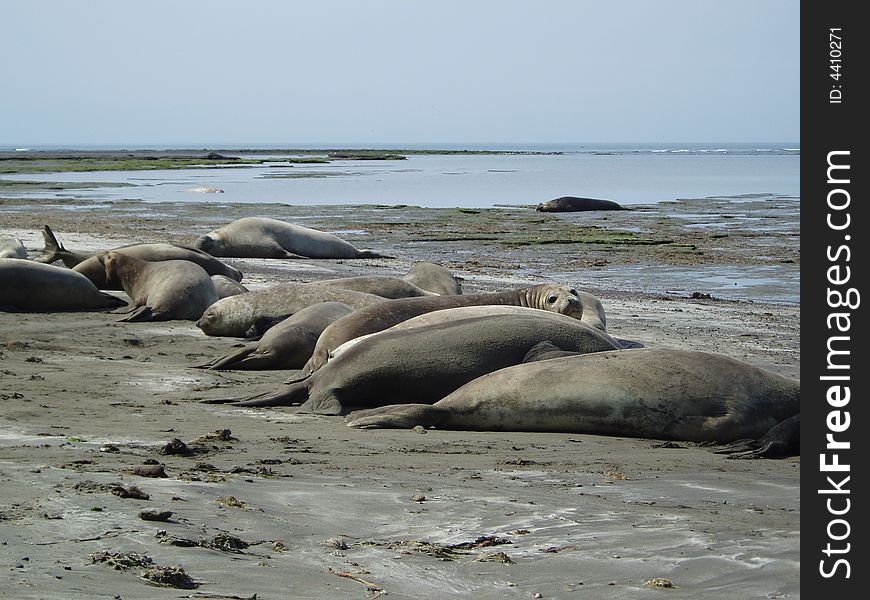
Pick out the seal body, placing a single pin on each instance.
(234, 316)
(11, 247)
(258, 237)
(163, 290)
(654, 393)
(433, 277)
(575, 204)
(385, 287)
(90, 266)
(376, 318)
(28, 285)
(287, 345)
(427, 363)
(226, 287)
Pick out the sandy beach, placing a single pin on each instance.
(271, 504)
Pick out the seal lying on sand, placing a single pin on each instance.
(385, 287)
(234, 316)
(258, 237)
(161, 291)
(288, 344)
(28, 285)
(654, 393)
(433, 278)
(89, 266)
(554, 298)
(575, 204)
(427, 363)
(11, 247)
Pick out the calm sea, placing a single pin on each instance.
(626, 173)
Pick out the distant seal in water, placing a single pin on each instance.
(258, 237)
(427, 363)
(433, 277)
(29, 285)
(11, 247)
(555, 298)
(653, 393)
(89, 266)
(287, 345)
(575, 204)
(385, 287)
(234, 316)
(161, 291)
(226, 287)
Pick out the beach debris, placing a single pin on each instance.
(659, 582)
(418, 429)
(495, 557)
(336, 543)
(484, 541)
(176, 446)
(155, 471)
(165, 538)
(701, 296)
(130, 492)
(143, 566)
(232, 501)
(668, 444)
(219, 435)
(151, 514)
(225, 543)
(556, 549)
(371, 587)
(418, 498)
(440, 551)
(615, 475)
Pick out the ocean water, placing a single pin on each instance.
(625, 173)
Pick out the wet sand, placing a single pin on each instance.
(329, 511)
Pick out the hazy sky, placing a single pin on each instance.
(369, 71)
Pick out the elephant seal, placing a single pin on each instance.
(575, 204)
(11, 247)
(29, 285)
(226, 287)
(652, 393)
(452, 315)
(427, 363)
(161, 291)
(234, 316)
(385, 287)
(258, 237)
(89, 265)
(433, 277)
(287, 345)
(554, 298)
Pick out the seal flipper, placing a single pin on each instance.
(546, 350)
(229, 361)
(55, 251)
(781, 441)
(403, 416)
(325, 404)
(143, 313)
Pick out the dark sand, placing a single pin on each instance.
(335, 512)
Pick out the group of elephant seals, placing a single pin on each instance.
(234, 316)
(287, 345)
(259, 237)
(161, 291)
(90, 266)
(652, 393)
(575, 204)
(430, 362)
(432, 277)
(29, 285)
(11, 247)
(554, 298)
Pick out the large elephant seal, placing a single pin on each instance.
(161, 291)
(234, 316)
(258, 237)
(575, 204)
(427, 363)
(653, 393)
(433, 277)
(28, 285)
(554, 298)
(90, 266)
(11, 247)
(287, 345)
(385, 287)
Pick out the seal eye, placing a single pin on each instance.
(572, 292)
(552, 299)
